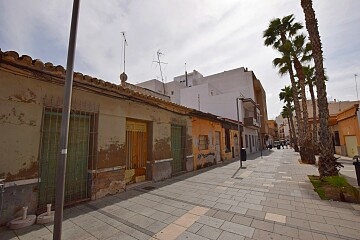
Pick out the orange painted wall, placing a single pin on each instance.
(348, 125)
(204, 127)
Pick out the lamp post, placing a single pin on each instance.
(64, 132)
(238, 125)
(357, 94)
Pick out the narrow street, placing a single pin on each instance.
(271, 198)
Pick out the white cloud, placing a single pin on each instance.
(210, 36)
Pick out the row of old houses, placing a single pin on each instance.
(118, 135)
(344, 122)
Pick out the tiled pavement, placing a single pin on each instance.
(271, 198)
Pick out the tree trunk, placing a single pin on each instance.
(290, 131)
(297, 111)
(327, 162)
(295, 139)
(314, 127)
(308, 147)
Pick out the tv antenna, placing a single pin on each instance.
(123, 76)
(159, 53)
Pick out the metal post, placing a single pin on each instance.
(357, 94)
(65, 117)
(238, 123)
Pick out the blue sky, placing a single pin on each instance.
(210, 36)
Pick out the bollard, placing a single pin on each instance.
(356, 163)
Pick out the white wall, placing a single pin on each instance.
(154, 85)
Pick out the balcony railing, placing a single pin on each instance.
(251, 122)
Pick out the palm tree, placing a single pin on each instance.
(309, 73)
(287, 96)
(298, 49)
(328, 166)
(285, 113)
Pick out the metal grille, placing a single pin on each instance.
(81, 151)
(177, 148)
(136, 144)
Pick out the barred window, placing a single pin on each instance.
(203, 142)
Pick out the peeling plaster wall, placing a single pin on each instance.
(206, 157)
(22, 98)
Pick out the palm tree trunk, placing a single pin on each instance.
(327, 162)
(308, 147)
(314, 127)
(294, 137)
(290, 130)
(297, 111)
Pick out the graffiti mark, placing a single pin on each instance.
(203, 155)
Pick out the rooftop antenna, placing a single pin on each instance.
(123, 76)
(186, 78)
(159, 53)
(357, 94)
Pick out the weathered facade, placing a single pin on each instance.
(347, 138)
(214, 140)
(117, 136)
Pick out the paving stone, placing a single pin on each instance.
(227, 216)
(209, 232)
(160, 216)
(210, 221)
(275, 217)
(222, 206)
(211, 212)
(277, 211)
(239, 210)
(199, 210)
(122, 236)
(156, 226)
(326, 213)
(297, 222)
(238, 229)
(242, 220)
(103, 231)
(322, 227)
(141, 220)
(287, 231)
(172, 231)
(189, 236)
(348, 232)
(264, 225)
(262, 235)
(179, 212)
(187, 220)
(195, 227)
(305, 235)
(255, 213)
(230, 236)
(318, 236)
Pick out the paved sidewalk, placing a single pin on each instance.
(271, 198)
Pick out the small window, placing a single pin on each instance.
(172, 92)
(203, 142)
(227, 139)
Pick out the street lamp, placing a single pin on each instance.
(238, 125)
(64, 132)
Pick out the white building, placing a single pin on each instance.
(217, 94)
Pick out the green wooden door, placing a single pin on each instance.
(76, 182)
(177, 148)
